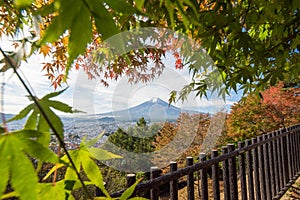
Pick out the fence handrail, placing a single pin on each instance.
(175, 175)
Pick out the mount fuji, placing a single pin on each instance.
(153, 110)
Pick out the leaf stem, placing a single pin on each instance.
(35, 99)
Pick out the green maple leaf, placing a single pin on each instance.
(37, 121)
(84, 157)
(15, 164)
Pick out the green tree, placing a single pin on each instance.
(137, 139)
(253, 43)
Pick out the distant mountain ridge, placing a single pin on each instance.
(153, 110)
(7, 116)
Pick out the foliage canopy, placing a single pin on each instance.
(276, 107)
(253, 43)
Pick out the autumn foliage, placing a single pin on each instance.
(253, 44)
(276, 107)
(144, 138)
(197, 124)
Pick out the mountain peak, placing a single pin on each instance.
(157, 100)
(154, 99)
(154, 109)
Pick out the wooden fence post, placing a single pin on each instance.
(215, 176)
(261, 169)
(242, 172)
(173, 183)
(285, 159)
(154, 192)
(298, 150)
(267, 167)
(294, 152)
(131, 178)
(289, 157)
(280, 160)
(249, 171)
(256, 170)
(272, 167)
(225, 175)
(190, 180)
(203, 177)
(276, 163)
(232, 174)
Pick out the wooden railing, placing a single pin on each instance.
(259, 168)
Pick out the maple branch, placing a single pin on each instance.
(43, 113)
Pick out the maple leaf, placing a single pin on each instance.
(15, 45)
(45, 50)
(176, 54)
(178, 64)
(77, 66)
(111, 74)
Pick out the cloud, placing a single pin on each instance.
(92, 97)
(15, 95)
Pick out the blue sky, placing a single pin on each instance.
(92, 97)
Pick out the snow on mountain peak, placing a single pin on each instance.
(154, 100)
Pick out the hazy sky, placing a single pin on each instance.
(92, 97)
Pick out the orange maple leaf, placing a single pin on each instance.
(45, 50)
(16, 44)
